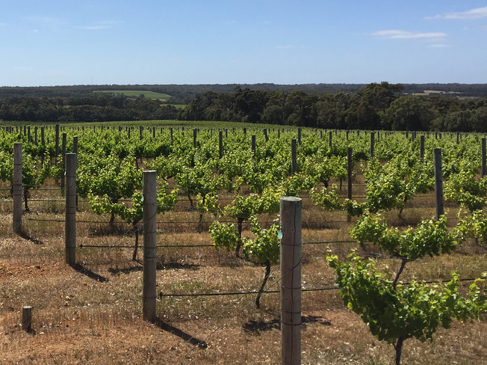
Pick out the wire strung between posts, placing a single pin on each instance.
(245, 306)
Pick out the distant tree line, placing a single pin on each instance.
(373, 106)
(88, 108)
(376, 106)
(183, 94)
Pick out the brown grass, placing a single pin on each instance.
(94, 316)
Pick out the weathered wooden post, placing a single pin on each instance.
(299, 136)
(291, 280)
(484, 167)
(150, 245)
(253, 144)
(75, 144)
(330, 139)
(421, 148)
(349, 177)
(195, 132)
(294, 165)
(70, 220)
(35, 135)
(57, 140)
(265, 135)
(440, 209)
(63, 179)
(372, 135)
(17, 188)
(220, 143)
(27, 319)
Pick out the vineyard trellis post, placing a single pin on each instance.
(421, 148)
(75, 144)
(484, 167)
(330, 139)
(372, 136)
(253, 144)
(27, 319)
(294, 167)
(195, 132)
(17, 188)
(70, 220)
(63, 149)
(290, 226)
(220, 143)
(150, 244)
(440, 209)
(57, 140)
(349, 177)
(299, 136)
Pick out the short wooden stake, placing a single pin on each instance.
(27, 319)
(291, 280)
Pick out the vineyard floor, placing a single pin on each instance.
(92, 313)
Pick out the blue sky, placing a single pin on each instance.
(235, 41)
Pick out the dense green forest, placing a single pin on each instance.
(343, 106)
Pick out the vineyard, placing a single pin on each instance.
(393, 235)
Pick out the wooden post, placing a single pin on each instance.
(27, 319)
(57, 140)
(75, 144)
(372, 134)
(17, 188)
(28, 133)
(153, 132)
(43, 141)
(141, 129)
(294, 165)
(458, 137)
(35, 135)
(291, 280)
(172, 138)
(253, 143)
(421, 148)
(70, 220)
(330, 139)
(440, 209)
(299, 136)
(150, 245)
(484, 167)
(63, 179)
(220, 143)
(349, 177)
(265, 135)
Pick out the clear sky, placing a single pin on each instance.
(71, 42)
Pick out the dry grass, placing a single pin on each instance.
(93, 315)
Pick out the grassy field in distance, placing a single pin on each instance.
(147, 94)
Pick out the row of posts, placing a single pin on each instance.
(290, 216)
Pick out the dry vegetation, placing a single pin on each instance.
(92, 314)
